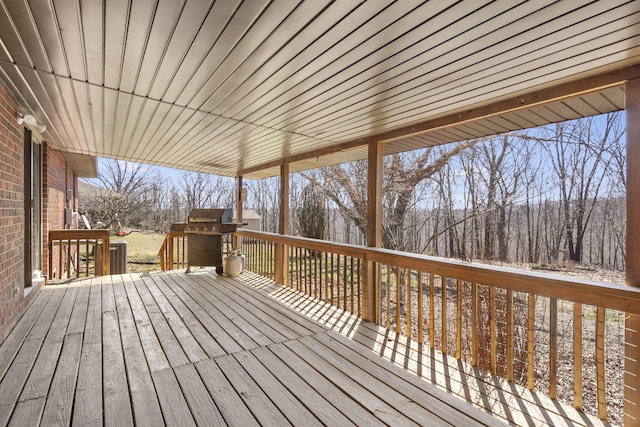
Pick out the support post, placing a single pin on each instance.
(281, 258)
(239, 200)
(632, 322)
(371, 290)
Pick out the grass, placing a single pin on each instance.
(142, 250)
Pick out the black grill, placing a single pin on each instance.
(207, 230)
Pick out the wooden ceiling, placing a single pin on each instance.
(237, 87)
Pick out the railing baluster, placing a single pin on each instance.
(407, 303)
(68, 245)
(272, 263)
(344, 296)
(510, 331)
(531, 325)
(398, 293)
(474, 324)
(443, 295)
(351, 287)
(86, 257)
(315, 274)
(323, 283)
(339, 282)
(359, 286)
(182, 240)
(553, 348)
(432, 316)
(600, 379)
(494, 320)
(577, 356)
(261, 257)
(332, 278)
(458, 319)
(77, 254)
(388, 296)
(420, 313)
(492, 331)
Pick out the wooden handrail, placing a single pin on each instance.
(172, 251)
(491, 317)
(72, 243)
(608, 295)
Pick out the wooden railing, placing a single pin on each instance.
(78, 253)
(521, 325)
(172, 251)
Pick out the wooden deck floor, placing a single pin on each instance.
(201, 349)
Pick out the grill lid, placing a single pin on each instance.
(219, 216)
(212, 221)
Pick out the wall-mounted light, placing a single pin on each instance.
(31, 122)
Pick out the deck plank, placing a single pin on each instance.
(251, 318)
(117, 405)
(146, 408)
(18, 335)
(221, 333)
(269, 310)
(242, 332)
(16, 377)
(188, 342)
(335, 395)
(507, 401)
(197, 329)
(366, 396)
(174, 405)
(28, 413)
(57, 410)
(450, 376)
(31, 373)
(291, 408)
(265, 411)
(231, 406)
(88, 399)
(169, 348)
(316, 402)
(170, 344)
(43, 370)
(203, 408)
(407, 384)
(78, 317)
(153, 350)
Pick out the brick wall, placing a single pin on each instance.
(57, 178)
(12, 302)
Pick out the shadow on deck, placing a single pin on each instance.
(202, 349)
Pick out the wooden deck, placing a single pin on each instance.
(201, 349)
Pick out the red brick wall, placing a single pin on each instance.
(57, 178)
(11, 216)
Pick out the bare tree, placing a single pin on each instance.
(202, 190)
(263, 197)
(580, 152)
(346, 186)
(311, 214)
(123, 196)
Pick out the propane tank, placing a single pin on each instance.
(233, 264)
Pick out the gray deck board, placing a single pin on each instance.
(88, 398)
(201, 349)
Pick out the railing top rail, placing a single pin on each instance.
(608, 295)
(75, 234)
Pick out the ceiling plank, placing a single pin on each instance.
(574, 88)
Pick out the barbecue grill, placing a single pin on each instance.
(207, 229)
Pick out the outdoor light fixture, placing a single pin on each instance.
(31, 122)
